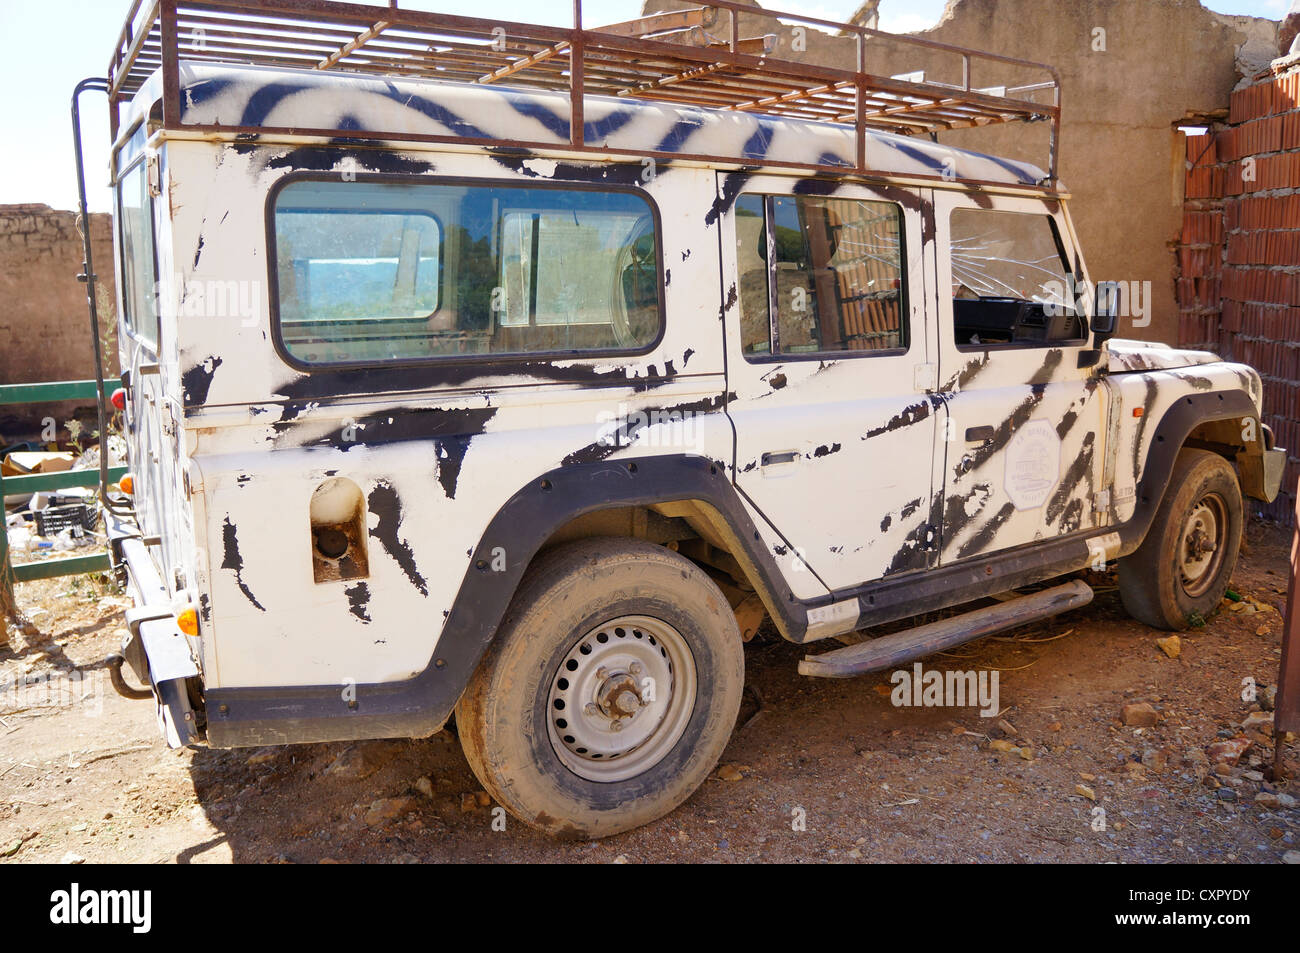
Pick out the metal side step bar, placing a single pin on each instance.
(893, 650)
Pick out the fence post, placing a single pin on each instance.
(1286, 705)
(8, 608)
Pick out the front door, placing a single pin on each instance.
(1027, 413)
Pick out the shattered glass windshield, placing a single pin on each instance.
(1010, 281)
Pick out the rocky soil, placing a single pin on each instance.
(1111, 743)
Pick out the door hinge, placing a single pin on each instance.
(155, 175)
(1101, 501)
(925, 377)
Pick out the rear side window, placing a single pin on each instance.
(378, 271)
(819, 275)
(1010, 282)
(135, 222)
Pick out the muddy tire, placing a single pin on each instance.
(604, 633)
(1182, 569)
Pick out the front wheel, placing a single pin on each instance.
(1182, 569)
(610, 691)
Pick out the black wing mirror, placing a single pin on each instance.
(1105, 313)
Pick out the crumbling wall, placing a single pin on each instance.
(1239, 290)
(44, 328)
(1130, 70)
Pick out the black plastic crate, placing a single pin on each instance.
(55, 519)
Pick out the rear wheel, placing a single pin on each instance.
(1182, 569)
(610, 691)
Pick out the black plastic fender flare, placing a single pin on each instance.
(1170, 434)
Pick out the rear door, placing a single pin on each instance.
(1019, 374)
(827, 355)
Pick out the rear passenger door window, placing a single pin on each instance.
(819, 275)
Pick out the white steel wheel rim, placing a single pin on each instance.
(621, 698)
(1200, 549)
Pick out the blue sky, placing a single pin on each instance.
(36, 161)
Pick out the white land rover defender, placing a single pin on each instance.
(517, 373)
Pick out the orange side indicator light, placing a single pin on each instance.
(127, 484)
(187, 620)
(1138, 411)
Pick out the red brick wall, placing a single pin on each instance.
(1239, 254)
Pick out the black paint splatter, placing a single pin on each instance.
(231, 559)
(625, 430)
(196, 382)
(914, 413)
(986, 533)
(385, 504)
(358, 601)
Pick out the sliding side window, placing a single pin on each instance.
(1010, 281)
(371, 271)
(819, 275)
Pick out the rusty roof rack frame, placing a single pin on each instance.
(693, 57)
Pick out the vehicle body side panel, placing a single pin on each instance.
(435, 449)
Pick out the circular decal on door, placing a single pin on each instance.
(1033, 465)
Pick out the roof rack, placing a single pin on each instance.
(695, 57)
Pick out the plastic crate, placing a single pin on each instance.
(55, 519)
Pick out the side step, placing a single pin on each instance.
(908, 645)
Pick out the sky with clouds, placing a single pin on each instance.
(36, 164)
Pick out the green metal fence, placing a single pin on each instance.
(69, 565)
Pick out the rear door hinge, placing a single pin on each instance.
(155, 175)
(925, 377)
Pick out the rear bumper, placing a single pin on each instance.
(156, 650)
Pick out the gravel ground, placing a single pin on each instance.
(817, 770)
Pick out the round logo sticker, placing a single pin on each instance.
(1033, 464)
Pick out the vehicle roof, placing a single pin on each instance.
(249, 98)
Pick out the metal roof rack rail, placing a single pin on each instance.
(694, 57)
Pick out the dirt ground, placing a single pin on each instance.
(817, 770)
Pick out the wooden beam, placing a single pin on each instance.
(541, 56)
(352, 45)
(662, 23)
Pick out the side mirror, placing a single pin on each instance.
(1105, 314)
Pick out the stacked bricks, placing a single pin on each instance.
(1200, 247)
(1239, 255)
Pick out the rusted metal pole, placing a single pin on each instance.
(577, 80)
(8, 605)
(1286, 706)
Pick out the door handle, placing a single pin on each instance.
(785, 456)
(974, 434)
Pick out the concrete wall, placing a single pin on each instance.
(44, 328)
(1121, 156)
